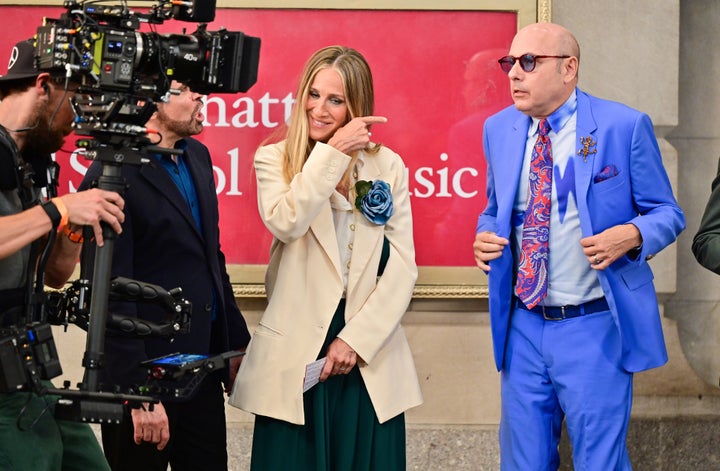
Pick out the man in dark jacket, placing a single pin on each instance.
(171, 238)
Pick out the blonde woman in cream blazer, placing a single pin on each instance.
(369, 377)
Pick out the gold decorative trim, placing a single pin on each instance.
(450, 291)
(257, 291)
(544, 11)
(433, 282)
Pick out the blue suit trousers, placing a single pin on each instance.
(567, 369)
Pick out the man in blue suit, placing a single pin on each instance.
(171, 238)
(572, 354)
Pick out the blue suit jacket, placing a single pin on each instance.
(623, 182)
(161, 244)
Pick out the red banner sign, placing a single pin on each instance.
(436, 80)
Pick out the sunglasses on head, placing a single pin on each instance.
(527, 61)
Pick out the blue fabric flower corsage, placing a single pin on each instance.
(374, 200)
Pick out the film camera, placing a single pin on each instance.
(124, 71)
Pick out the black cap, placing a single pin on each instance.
(22, 62)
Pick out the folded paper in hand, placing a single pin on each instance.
(312, 373)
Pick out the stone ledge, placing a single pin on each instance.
(666, 434)
(655, 444)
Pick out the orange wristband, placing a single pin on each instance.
(60, 205)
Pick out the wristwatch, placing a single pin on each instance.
(52, 212)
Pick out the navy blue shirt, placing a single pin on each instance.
(180, 174)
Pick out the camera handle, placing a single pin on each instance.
(112, 159)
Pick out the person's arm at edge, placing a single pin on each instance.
(706, 243)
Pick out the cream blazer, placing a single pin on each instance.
(304, 286)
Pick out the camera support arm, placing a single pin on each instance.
(70, 306)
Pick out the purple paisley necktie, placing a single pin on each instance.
(532, 277)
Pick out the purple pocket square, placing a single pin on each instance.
(606, 173)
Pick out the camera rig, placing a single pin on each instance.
(28, 354)
(121, 74)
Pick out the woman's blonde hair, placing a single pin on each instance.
(359, 95)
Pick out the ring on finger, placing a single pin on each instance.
(595, 260)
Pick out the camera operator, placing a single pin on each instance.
(171, 238)
(35, 117)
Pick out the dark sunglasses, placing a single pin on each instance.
(527, 61)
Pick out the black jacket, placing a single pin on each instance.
(160, 244)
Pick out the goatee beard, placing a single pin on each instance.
(42, 139)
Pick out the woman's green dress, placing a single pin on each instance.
(341, 431)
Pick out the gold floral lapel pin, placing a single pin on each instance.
(588, 147)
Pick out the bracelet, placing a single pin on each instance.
(60, 204)
(75, 237)
(53, 213)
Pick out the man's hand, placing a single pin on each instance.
(151, 427)
(612, 243)
(90, 207)
(488, 246)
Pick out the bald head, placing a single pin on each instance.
(557, 39)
